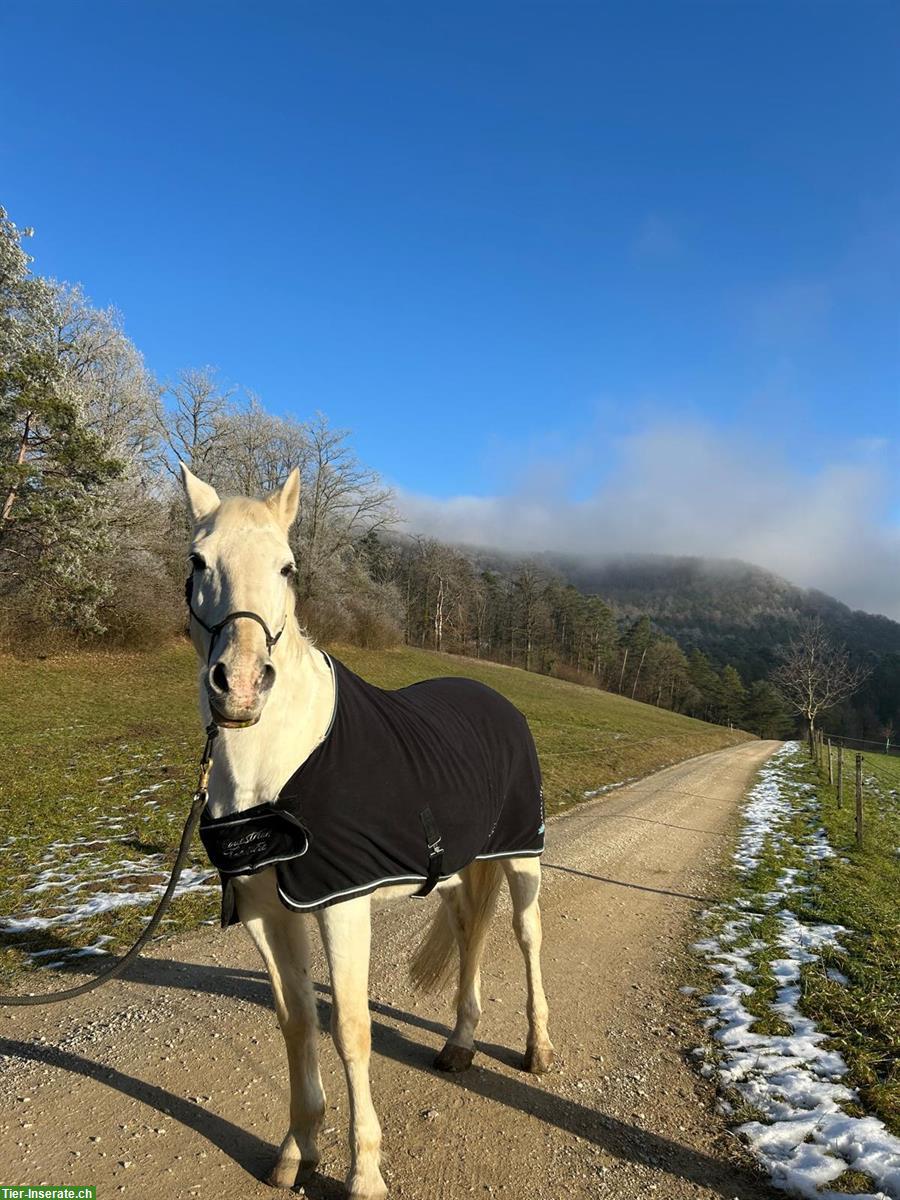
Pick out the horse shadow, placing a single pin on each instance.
(616, 1137)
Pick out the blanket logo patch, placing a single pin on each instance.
(244, 843)
(232, 847)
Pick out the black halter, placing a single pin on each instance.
(215, 630)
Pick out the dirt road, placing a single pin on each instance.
(173, 1082)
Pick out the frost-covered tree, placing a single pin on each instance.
(106, 379)
(82, 531)
(53, 465)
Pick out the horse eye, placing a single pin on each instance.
(288, 569)
(197, 561)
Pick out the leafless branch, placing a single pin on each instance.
(815, 674)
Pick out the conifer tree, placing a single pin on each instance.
(733, 696)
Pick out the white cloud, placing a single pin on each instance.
(677, 490)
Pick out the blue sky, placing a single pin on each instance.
(513, 247)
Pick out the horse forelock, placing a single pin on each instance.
(242, 511)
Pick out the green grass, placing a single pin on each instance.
(85, 735)
(861, 890)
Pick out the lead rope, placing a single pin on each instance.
(199, 803)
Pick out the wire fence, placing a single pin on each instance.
(822, 750)
(885, 745)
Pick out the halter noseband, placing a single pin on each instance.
(215, 630)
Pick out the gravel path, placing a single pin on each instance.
(173, 1082)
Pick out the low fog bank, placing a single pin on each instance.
(677, 492)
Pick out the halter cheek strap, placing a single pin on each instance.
(215, 630)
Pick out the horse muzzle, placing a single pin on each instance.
(237, 691)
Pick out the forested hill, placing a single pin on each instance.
(735, 614)
(733, 611)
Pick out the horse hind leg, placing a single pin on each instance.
(523, 875)
(459, 1049)
(469, 907)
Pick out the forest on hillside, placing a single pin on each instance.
(93, 530)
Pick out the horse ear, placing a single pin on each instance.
(284, 501)
(201, 498)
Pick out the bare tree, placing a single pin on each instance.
(191, 423)
(341, 501)
(815, 674)
(530, 613)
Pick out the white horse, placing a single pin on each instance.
(273, 705)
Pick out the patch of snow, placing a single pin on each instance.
(95, 948)
(82, 878)
(608, 787)
(805, 1138)
(107, 901)
(192, 880)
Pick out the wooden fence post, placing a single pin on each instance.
(859, 801)
(840, 778)
(830, 764)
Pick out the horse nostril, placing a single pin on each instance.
(219, 677)
(268, 677)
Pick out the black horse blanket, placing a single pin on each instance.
(408, 786)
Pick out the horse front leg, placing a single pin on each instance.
(347, 937)
(282, 940)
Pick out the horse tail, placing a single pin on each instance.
(432, 966)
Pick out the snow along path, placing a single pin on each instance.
(172, 1081)
(806, 1140)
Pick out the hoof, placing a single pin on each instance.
(539, 1059)
(289, 1174)
(454, 1058)
(307, 1169)
(379, 1194)
(282, 1176)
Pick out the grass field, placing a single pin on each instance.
(99, 760)
(860, 888)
